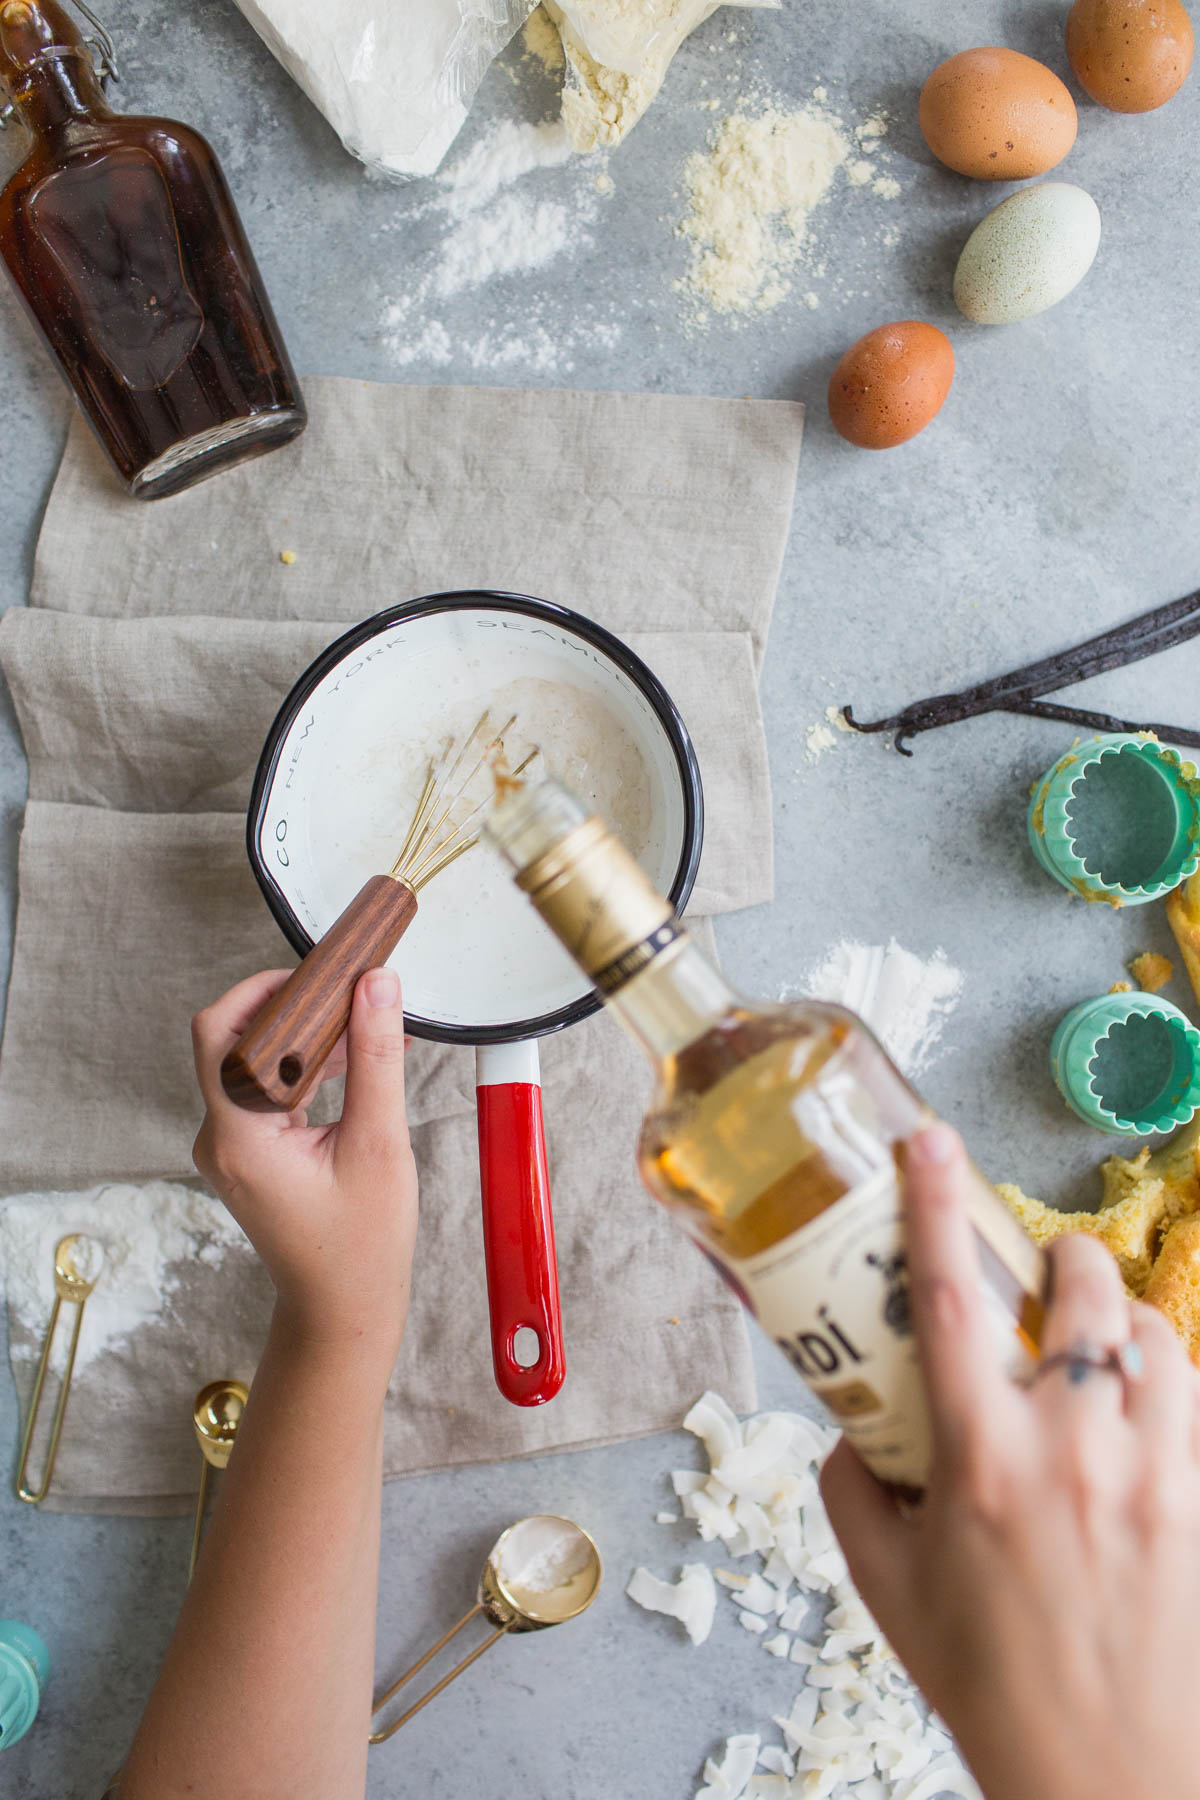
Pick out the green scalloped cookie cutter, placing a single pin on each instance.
(1129, 1064)
(1117, 819)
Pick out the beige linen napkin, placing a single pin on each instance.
(663, 518)
(648, 512)
(646, 1322)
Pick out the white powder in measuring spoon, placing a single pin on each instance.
(547, 1565)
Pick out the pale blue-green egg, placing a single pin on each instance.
(1027, 254)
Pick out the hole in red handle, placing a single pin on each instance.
(526, 1347)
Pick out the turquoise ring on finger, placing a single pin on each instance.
(1124, 1360)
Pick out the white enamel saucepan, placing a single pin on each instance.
(337, 783)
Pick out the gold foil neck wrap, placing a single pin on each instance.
(598, 902)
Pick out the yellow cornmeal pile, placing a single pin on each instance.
(1149, 1219)
(541, 39)
(750, 197)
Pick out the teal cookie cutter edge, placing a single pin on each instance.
(1049, 826)
(1073, 1050)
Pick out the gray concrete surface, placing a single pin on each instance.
(1055, 495)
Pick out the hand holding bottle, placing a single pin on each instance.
(1045, 1594)
(771, 1136)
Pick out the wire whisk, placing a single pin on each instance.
(277, 1061)
(440, 834)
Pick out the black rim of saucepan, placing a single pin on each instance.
(464, 600)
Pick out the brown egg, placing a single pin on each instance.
(997, 115)
(890, 384)
(1129, 55)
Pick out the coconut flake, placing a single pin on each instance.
(727, 1779)
(716, 1424)
(945, 1776)
(767, 1787)
(857, 1730)
(795, 1612)
(692, 1599)
(758, 1595)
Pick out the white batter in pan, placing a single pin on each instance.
(354, 761)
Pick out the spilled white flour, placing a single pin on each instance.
(858, 1729)
(904, 998)
(497, 227)
(817, 740)
(148, 1233)
(497, 218)
(518, 204)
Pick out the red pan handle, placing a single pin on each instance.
(518, 1227)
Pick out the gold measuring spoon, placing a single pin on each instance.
(216, 1415)
(514, 1595)
(78, 1261)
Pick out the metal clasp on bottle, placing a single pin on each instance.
(98, 41)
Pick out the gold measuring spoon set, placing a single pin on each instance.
(216, 1414)
(541, 1572)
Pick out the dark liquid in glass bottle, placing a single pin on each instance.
(124, 243)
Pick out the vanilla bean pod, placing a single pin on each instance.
(1098, 721)
(1159, 629)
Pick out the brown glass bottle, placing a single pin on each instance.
(124, 243)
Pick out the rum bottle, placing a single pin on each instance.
(123, 241)
(772, 1138)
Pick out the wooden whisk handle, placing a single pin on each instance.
(279, 1056)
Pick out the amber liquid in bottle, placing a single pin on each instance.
(123, 241)
(772, 1136)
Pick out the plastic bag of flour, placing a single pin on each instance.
(626, 34)
(395, 78)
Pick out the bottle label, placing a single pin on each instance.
(834, 1296)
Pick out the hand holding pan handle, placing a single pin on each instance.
(518, 1227)
(278, 1057)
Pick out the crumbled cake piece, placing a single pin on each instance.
(1149, 1219)
(1174, 1286)
(1183, 916)
(1177, 1165)
(1151, 971)
(1129, 1228)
